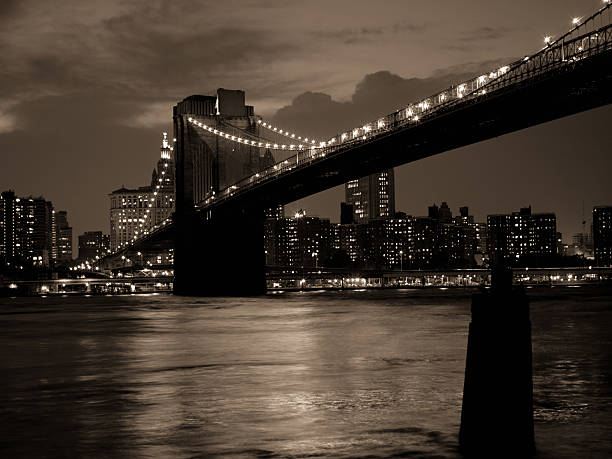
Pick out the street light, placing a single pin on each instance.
(401, 260)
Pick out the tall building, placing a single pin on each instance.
(481, 253)
(351, 236)
(281, 242)
(300, 241)
(390, 242)
(134, 212)
(63, 237)
(602, 235)
(93, 244)
(425, 241)
(313, 240)
(163, 176)
(275, 212)
(521, 235)
(28, 233)
(372, 196)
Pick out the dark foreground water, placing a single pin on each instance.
(332, 374)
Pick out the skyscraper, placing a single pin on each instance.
(134, 212)
(63, 237)
(27, 230)
(602, 235)
(372, 196)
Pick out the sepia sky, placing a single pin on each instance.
(87, 87)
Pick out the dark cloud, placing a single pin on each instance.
(486, 33)
(357, 35)
(349, 36)
(375, 95)
(9, 7)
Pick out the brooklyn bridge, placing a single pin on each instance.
(231, 165)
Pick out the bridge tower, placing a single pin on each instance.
(219, 252)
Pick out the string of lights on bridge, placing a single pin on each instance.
(249, 142)
(285, 133)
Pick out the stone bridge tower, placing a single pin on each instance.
(222, 253)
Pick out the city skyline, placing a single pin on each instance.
(283, 209)
(90, 119)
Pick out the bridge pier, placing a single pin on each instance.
(221, 255)
(497, 412)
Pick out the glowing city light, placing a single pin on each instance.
(284, 132)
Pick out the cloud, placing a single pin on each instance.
(318, 115)
(349, 36)
(151, 115)
(8, 120)
(9, 7)
(129, 49)
(8, 123)
(358, 35)
(480, 38)
(486, 33)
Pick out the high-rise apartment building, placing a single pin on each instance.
(602, 235)
(372, 196)
(313, 240)
(300, 241)
(389, 242)
(63, 237)
(521, 234)
(27, 230)
(134, 212)
(281, 242)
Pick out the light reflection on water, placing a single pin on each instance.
(287, 375)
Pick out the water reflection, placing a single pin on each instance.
(291, 375)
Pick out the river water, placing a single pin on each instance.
(317, 374)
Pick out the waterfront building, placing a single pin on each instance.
(27, 230)
(602, 235)
(372, 196)
(521, 235)
(300, 241)
(425, 241)
(390, 242)
(280, 241)
(351, 237)
(313, 240)
(63, 237)
(481, 254)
